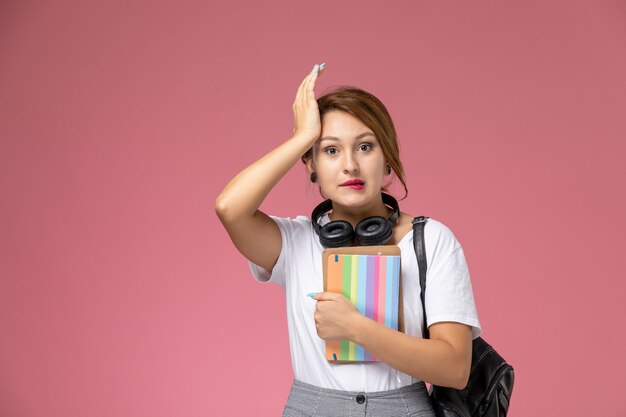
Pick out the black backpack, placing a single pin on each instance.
(490, 385)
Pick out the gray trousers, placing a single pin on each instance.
(309, 400)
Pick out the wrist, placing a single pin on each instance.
(308, 138)
(357, 325)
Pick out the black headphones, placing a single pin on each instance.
(374, 230)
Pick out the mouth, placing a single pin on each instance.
(355, 184)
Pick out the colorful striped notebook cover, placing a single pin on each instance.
(369, 276)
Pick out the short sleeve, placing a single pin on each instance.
(449, 295)
(288, 231)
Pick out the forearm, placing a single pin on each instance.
(434, 361)
(244, 194)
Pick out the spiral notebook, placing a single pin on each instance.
(369, 276)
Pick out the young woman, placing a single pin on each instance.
(348, 142)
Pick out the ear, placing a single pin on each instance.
(310, 165)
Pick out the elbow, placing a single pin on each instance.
(230, 211)
(462, 367)
(461, 377)
(461, 380)
(456, 376)
(222, 208)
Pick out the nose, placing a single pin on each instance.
(351, 164)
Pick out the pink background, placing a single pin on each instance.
(120, 122)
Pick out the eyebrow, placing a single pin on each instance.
(361, 136)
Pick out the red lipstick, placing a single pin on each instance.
(355, 184)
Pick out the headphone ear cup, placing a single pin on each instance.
(336, 234)
(375, 230)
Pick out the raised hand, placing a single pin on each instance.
(306, 116)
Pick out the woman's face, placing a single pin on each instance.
(348, 161)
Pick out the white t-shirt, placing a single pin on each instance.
(298, 269)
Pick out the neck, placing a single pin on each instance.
(354, 215)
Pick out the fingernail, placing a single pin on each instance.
(311, 294)
(322, 65)
(316, 68)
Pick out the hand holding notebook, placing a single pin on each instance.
(334, 316)
(368, 276)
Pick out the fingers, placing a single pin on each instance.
(297, 103)
(310, 95)
(310, 84)
(300, 88)
(305, 90)
(306, 118)
(310, 79)
(326, 296)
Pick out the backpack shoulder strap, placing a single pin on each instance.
(420, 252)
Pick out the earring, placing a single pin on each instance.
(313, 177)
(388, 169)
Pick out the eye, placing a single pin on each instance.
(365, 147)
(330, 150)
